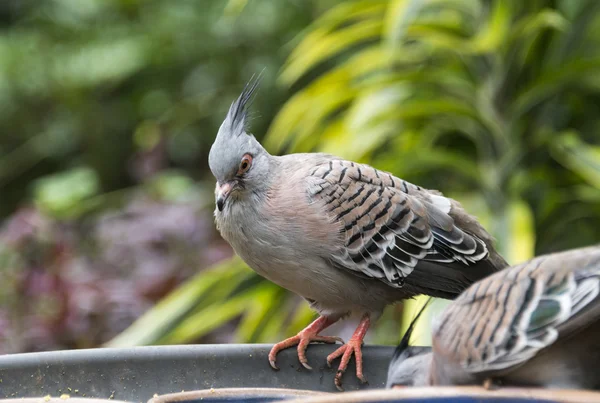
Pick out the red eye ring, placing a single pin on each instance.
(245, 164)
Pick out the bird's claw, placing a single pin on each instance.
(302, 340)
(346, 351)
(491, 384)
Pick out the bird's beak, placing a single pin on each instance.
(222, 193)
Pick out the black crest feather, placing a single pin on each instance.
(404, 343)
(238, 112)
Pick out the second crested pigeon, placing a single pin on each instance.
(534, 324)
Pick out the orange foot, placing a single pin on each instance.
(302, 339)
(354, 345)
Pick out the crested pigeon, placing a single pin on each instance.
(535, 324)
(348, 238)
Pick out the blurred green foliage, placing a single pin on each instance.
(493, 102)
(97, 85)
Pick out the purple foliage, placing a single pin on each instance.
(78, 284)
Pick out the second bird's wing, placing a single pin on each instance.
(509, 317)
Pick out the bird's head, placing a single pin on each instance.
(236, 159)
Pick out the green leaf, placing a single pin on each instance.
(170, 185)
(399, 14)
(359, 133)
(101, 62)
(532, 24)
(210, 318)
(265, 304)
(159, 321)
(305, 112)
(551, 82)
(521, 238)
(583, 159)
(418, 108)
(62, 194)
(234, 8)
(326, 46)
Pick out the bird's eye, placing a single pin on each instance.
(245, 164)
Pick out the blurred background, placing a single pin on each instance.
(108, 109)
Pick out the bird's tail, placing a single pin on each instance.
(404, 343)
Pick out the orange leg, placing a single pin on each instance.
(302, 339)
(353, 346)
